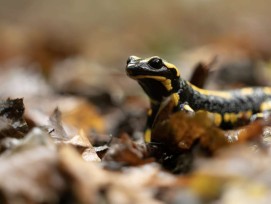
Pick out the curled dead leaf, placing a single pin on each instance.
(181, 131)
(124, 152)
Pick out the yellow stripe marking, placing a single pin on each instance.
(227, 117)
(265, 106)
(267, 90)
(149, 112)
(166, 82)
(246, 91)
(245, 114)
(222, 94)
(172, 66)
(217, 119)
(248, 114)
(234, 118)
(158, 78)
(259, 116)
(175, 97)
(147, 135)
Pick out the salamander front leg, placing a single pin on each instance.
(260, 116)
(186, 108)
(265, 113)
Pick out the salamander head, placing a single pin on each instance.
(153, 67)
(157, 77)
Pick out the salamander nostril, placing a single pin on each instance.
(132, 59)
(129, 59)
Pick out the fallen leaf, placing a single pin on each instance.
(29, 171)
(91, 184)
(200, 73)
(56, 129)
(84, 116)
(124, 152)
(180, 130)
(77, 139)
(12, 123)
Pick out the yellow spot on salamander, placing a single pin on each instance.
(259, 116)
(247, 91)
(244, 115)
(227, 117)
(172, 66)
(217, 119)
(265, 106)
(166, 82)
(147, 136)
(149, 112)
(222, 94)
(175, 97)
(248, 114)
(234, 118)
(267, 90)
(230, 117)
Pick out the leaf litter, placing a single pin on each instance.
(59, 148)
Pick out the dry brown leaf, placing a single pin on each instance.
(79, 140)
(200, 73)
(77, 113)
(83, 144)
(90, 155)
(84, 116)
(124, 152)
(56, 129)
(29, 171)
(84, 178)
(12, 123)
(91, 184)
(180, 130)
(251, 132)
(6, 130)
(237, 169)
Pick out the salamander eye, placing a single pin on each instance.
(156, 63)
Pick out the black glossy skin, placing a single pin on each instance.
(238, 102)
(223, 102)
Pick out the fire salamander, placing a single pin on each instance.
(161, 79)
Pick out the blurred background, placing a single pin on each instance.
(81, 47)
(108, 31)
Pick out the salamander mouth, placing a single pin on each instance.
(138, 75)
(133, 71)
(130, 72)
